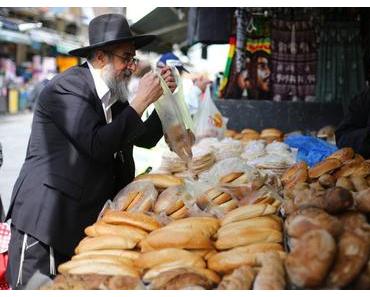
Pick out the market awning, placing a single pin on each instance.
(168, 23)
(14, 37)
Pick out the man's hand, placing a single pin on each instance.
(202, 83)
(168, 77)
(149, 91)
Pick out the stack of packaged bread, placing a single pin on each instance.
(328, 234)
(269, 135)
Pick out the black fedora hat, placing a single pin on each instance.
(109, 29)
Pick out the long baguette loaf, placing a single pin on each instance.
(155, 271)
(258, 222)
(248, 236)
(248, 212)
(101, 228)
(131, 255)
(205, 225)
(227, 261)
(185, 238)
(105, 269)
(140, 220)
(162, 180)
(103, 258)
(158, 257)
(104, 242)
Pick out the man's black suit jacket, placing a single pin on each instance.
(70, 170)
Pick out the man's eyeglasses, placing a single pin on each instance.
(127, 59)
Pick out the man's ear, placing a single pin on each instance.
(101, 58)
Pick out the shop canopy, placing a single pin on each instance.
(168, 23)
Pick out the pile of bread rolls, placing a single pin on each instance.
(326, 225)
(246, 135)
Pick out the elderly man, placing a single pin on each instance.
(80, 149)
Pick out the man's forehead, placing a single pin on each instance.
(126, 48)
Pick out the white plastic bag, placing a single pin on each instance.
(175, 118)
(208, 121)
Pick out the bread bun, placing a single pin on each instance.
(230, 133)
(230, 177)
(363, 170)
(248, 131)
(140, 220)
(162, 180)
(171, 200)
(344, 154)
(348, 168)
(345, 183)
(292, 172)
(309, 261)
(228, 206)
(323, 167)
(246, 137)
(181, 213)
(272, 133)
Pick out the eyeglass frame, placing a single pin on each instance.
(129, 61)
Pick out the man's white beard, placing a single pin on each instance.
(117, 86)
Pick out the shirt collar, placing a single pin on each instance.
(100, 86)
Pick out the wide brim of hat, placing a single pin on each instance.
(138, 40)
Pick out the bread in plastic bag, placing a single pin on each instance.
(138, 196)
(208, 121)
(175, 118)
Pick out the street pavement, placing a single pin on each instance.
(14, 135)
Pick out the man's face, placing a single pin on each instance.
(263, 74)
(118, 69)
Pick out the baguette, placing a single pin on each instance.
(247, 212)
(344, 154)
(140, 220)
(205, 225)
(104, 242)
(225, 262)
(248, 236)
(104, 269)
(185, 238)
(180, 213)
(260, 222)
(131, 255)
(67, 266)
(127, 231)
(156, 271)
(169, 255)
(162, 180)
(323, 167)
(348, 168)
(103, 258)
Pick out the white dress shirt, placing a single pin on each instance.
(103, 93)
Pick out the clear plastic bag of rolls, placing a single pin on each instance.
(138, 196)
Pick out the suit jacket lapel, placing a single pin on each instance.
(90, 81)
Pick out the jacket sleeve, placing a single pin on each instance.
(354, 130)
(153, 132)
(74, 114)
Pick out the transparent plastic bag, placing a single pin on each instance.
(208, 121)
(175, 118)
(148, 196)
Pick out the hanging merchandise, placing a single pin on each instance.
(249, 76)
(228, 67)
(340, 73)
(294, 58)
